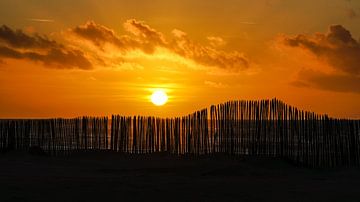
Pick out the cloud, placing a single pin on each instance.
(40, 20)
(18, 39)
(336, 48)
(144, 31)
(146, 39)
(97, 34)
(209, 56)
(57, 57)
(215, 84)
(247, 23)
(216, 41)
(351, 13)
(330, 82)
(100, 35)
(9, 53)
(19, 45)
(95, 45)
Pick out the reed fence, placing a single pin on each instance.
(244, 128)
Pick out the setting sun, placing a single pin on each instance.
(159, 98)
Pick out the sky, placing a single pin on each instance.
(97, 58)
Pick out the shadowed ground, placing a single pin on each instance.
(103, 176)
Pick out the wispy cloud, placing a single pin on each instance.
(248, 23)
(216, 41)
(215, 84)
(40, 20)
(351, 13)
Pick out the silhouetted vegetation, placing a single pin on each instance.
(252, 128)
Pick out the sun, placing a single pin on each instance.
(159, 97)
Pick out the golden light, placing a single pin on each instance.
(159, 97)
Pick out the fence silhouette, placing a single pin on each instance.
(252, 128)
(55, 136)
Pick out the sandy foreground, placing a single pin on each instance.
(106, 176)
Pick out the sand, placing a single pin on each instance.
(106, 176)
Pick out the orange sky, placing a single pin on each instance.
(66, 59)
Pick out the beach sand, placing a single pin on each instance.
(108, 176)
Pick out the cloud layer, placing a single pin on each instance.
(16, 44)
(146, 39)
(336, 48)
(330, 82)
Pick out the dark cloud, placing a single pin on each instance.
(96, 33)
(58, 57)
(337, 47)
(100, 35)
(147, 39)
(330, 82)
(19, 45)
(65, 58)
(6, 52)
(18, 39)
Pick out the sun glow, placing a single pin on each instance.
(159, 97)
